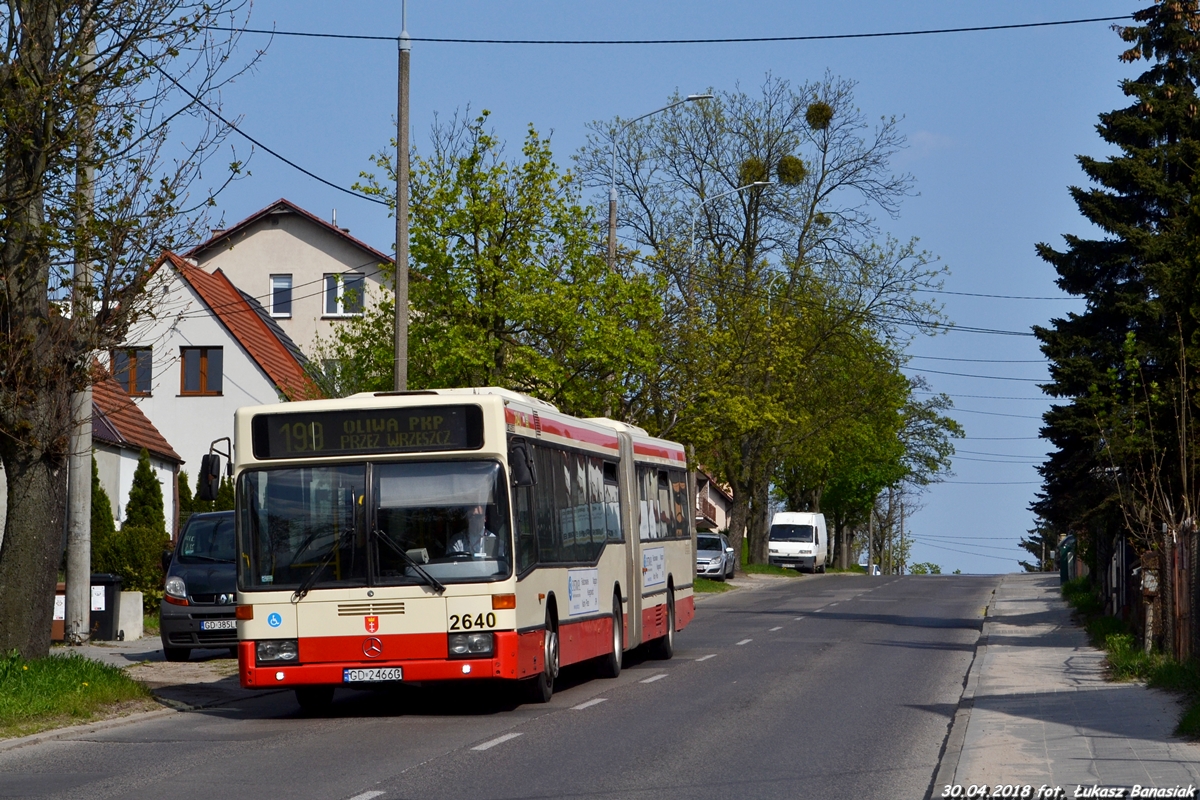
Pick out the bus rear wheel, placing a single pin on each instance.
(663, 647)
(610, 665)
(541, 688)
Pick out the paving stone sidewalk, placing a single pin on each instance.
(1037, 708)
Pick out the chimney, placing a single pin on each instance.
(335, 218)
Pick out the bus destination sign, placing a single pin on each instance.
(367, 431)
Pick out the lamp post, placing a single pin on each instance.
(707, 200)
(612, 174)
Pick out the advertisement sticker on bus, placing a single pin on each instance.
(583, 596)
(654, 566)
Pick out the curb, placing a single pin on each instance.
(956, 734)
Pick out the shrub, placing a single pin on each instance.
(145, 507)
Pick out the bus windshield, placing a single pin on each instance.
(449, 517)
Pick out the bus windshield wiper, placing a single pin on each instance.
(429, 579)
(304, 588)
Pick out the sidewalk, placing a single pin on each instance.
(208, 678)
(1037, 709)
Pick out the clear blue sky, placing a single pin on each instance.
(994, 121)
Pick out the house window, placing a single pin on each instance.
(131, 367)
(343, 295)
(281, 295)
(201, 370)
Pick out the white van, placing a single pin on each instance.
(798, 539)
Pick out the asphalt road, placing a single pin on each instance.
(825, 687)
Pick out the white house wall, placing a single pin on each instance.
(191, 423)
(290, 244)
(116, 467)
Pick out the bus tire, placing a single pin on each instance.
(314, 699)
(541, 688)
(663, 647)
(610, 665)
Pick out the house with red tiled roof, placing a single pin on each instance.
(205, 350)
(119, 432)
(310, 275)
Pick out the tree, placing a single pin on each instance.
(925, 568)
(1124, 461)
(184, 490)
(1042, 545)
(103, 522)
(90, 176)
(509, 288)
(145, 505)
(781, 282)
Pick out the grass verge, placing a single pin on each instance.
(709, 586)
(768, 569)
(57, 690)
(1128, 662)
(150, 623)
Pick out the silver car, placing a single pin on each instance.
(714, 556)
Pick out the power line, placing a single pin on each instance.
(996, 461)
(984, 360)
(996, 296)
(991, 483)
(979, 396)
(923, 540)
(967, 552)
(1000, 455)
(722, 40)
(985, 377)
(993, 413)
(257, 143)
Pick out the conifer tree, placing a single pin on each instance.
(145, 506)
(185, 493)
(1121, 365)
(103, 522)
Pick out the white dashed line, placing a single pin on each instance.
(496, 741)
(654, 678)
(366, 796)
(831, 605)
(776, 628)
(797, 619)
(589, 704)
(707, 657)
(745, 641)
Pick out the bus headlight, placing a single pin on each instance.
(467, 645)
(275, 651)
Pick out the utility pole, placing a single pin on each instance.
(400, 367)
(77, 626)
(900, 561)
(871, 540)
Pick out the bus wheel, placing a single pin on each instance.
(314, 699)
(664, 647)
(610, 665)
(541, 688)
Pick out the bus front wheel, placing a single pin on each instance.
(541, 688)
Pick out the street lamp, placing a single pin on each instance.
(707, 200)
(612, 175)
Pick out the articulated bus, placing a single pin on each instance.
(449, 535)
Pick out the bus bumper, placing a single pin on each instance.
(512, 659)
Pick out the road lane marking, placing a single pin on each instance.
(589, 704)
(797, 619)
(707, 657)
(776, 628)
(366, 796)
(654, 678)
(831, 605)
(745, 641)
(496, 741)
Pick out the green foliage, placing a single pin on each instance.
(791, 170)
(134, 553)
(1082, 596)
(45, 692)
(225, 495)
(509, 289)
(185, 493)
(753, 170)
(707, 586)
(925, 568)
(1042, 545)
(103, 523)
(819, 115)
(145, 506)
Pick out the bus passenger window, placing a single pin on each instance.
(612, 505)
(526, 540)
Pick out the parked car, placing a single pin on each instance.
(200, 595)
(714, 556)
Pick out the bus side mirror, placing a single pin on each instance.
(520, 465)
(210, 477)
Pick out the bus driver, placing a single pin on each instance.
(476, 540)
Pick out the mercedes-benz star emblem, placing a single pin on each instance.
(372, 648)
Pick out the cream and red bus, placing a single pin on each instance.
(452, 535)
